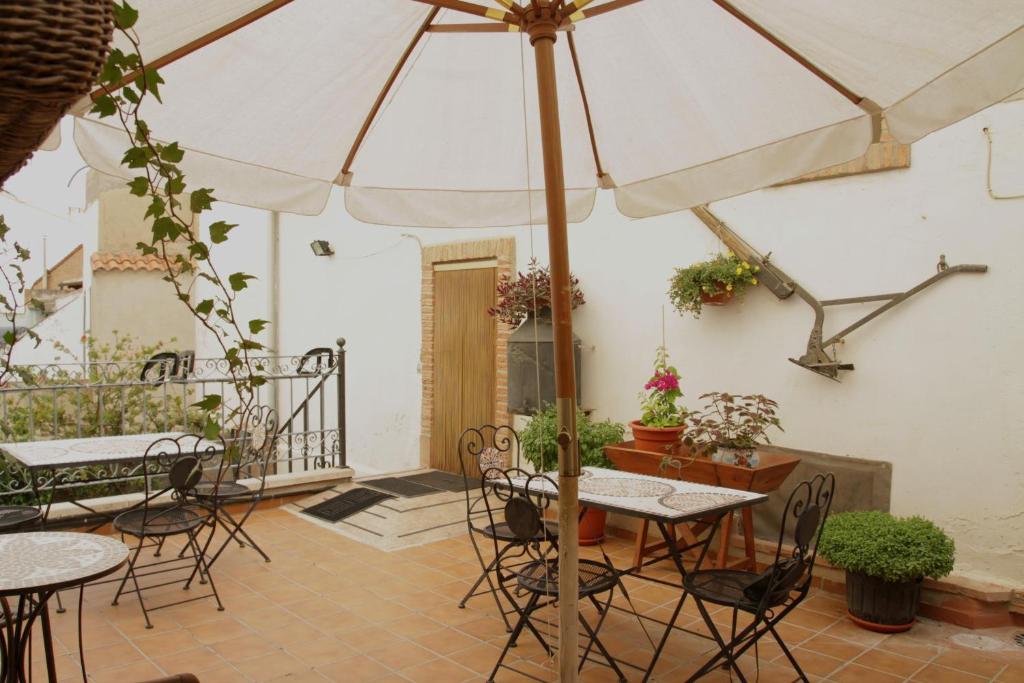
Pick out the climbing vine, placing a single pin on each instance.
(174, 209)
(13, 256)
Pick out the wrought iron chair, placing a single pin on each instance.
(168, 511)
(526, 500)
(771, 595)
(252, 448)
(483, 449)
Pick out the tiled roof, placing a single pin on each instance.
(110, 261)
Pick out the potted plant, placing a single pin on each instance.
(730, 427)
(529, 294)
(661, 421)
(540, 449)
(886, 559)
(710, 283)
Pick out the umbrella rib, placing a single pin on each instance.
(382, 95)
(793, 54)
(197, 44)
(573, 12)
(586, 105)
(475, 9)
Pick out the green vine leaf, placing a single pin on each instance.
(239, 281)
(125, 16)
(219, 231)
(201, 200)
(257, 326)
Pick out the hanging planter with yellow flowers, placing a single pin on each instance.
(710, 283)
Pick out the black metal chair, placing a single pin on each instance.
(20, 517)
(771, 595)
(482, 449)
(537, 576)
(180, 464)
(251, 450)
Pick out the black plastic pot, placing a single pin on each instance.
(881, 605)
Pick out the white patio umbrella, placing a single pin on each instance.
(450, 112)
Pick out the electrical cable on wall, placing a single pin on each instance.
(988, 171)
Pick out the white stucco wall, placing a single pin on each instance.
(939, 386)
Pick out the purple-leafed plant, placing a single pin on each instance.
(527, 293)
(731, 421)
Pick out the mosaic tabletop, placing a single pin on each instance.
(652, 497)
(44, 559)
(88, 450)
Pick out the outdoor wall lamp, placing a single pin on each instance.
(322, 248)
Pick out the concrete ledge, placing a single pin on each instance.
(278, 485)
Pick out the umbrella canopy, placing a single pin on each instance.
(438, 113)
(671, 104)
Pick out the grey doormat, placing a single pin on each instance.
(345, 504)
(443, 481)
(401, 486)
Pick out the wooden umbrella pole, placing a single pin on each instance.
(542, 24)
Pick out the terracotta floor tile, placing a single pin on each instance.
(320, 650)
(166, 643)
(889, 662)
(439, 670)
(243, 648)
(402, 654)
(193, 661)
(854, 673)
(446, 640)
(271, 666)
(359, 669)
(138, 671)
(225, 628)
(834, 647)
(970, 661)
(940, 674)
(813, 662)
(480, 657)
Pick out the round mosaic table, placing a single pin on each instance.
(33, 566)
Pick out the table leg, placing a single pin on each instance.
(678, 559)
(748, 538)
(44, 616)
(16, 636)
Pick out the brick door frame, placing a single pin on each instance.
(501, 250)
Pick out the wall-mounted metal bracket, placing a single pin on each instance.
(817, 357)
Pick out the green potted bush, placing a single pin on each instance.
(540, 449)
(710, 283)
(886, 559)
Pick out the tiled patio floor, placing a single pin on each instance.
(331, 609)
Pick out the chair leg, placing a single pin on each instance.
(523, 619)
(202, 567)
(725, 650)
(789, 655)
(138, 589)
(596, 642)
(486, 567)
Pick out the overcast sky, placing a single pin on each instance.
(38, 201)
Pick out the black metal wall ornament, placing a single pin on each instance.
(818, 358)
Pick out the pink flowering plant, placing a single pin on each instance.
(658, 399)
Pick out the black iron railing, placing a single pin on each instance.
(64, 401)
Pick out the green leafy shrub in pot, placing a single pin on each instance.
(885, 559)
(541, 449)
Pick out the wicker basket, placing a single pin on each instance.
(51, 52)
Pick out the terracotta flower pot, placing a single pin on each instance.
(723, 297)
(592, 526)
(655, 439)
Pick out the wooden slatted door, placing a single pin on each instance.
(464, 367)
